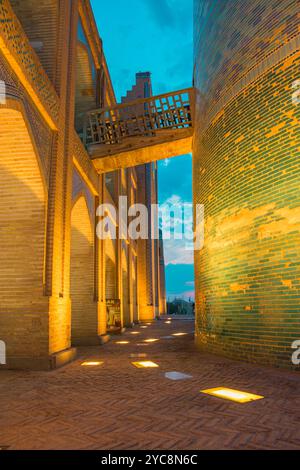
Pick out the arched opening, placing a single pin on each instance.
(135, 311)
(84, 305)
(23, 307)
(114, 322)
(127, 320)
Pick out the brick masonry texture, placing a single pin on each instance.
(54, 279)
(247, 174)
(23, 309)
(116, 406)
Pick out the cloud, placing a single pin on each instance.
(172, 14)
(177, 214)
(178, 174)
(161, 12)
(176, 221)
(177, 254)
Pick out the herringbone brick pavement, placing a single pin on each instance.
(117, 406)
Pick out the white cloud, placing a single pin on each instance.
(178, 247)
(177, 253)
(176, 218)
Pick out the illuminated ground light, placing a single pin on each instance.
(144, 364)
(148, 323)
(92, 363)
(135, 332)
(179, 334)
(233, 395)
(151, 340)
(144, 326)
(168, 322)
(122, 342)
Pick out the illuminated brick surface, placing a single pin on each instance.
(55, 274)
(247, 173)
(117, 406)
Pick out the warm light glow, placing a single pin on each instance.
(233, 395)
(144, 326)
(134, 332)
(179, 334)
(168, 322)
(151, 340)
(122, 342)
(146, 364)
(148, 323)
(91, 363)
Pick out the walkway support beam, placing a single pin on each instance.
(140, 131)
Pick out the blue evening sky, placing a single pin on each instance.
(155, 36)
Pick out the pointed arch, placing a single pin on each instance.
(84, 306)
(23, 306)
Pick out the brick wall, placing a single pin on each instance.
(247, 174)
(23, 309)
(36, 189)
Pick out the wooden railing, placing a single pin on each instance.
(140, 118)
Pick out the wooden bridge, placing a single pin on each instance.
(141, 131)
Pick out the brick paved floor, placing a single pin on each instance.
(117, 406)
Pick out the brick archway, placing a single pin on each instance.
(23, 308)
(84, 306)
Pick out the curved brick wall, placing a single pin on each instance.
(247, 173)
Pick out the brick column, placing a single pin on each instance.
(59, 201)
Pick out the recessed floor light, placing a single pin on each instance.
(168, 322)
(179, 334)
(148, 323)
(151, 340)
(91, 363)
(122, 342)
(231, 394)
(177, 376)
(145, 364)
(144, 326)
(135, 332)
